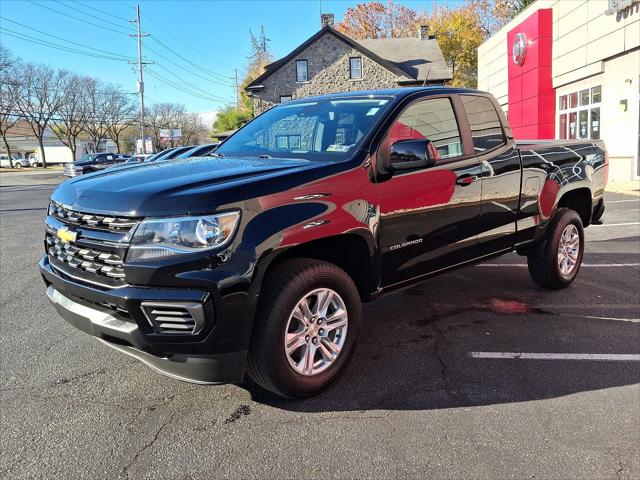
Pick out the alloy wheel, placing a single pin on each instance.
(568, 249)
(316, 331)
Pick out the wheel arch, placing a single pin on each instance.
(354, 252)
(580, 200)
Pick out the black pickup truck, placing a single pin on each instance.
(258, 258)
(92, 162)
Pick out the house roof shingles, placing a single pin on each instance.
(420, 59)
(412, 59)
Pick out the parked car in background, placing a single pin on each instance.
(200, 150)
(170, 153)
(139, 157)
(257, 258)
(18, 162)
(92, 162)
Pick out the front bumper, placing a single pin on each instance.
(201, 360)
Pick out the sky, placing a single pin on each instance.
(195, 46)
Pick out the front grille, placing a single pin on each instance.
(101, 222)
(97, 254)
(180, 317)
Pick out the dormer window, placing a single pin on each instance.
(302, 71)
(355, 68)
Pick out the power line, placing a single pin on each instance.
(182, 68)
(182, 89)
(64, 39)
(95, 9)
(191, 47)
(45, 43)
(200, 67)
(204, 92)
(77, 18)
(92, 16)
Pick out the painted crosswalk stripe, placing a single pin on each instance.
(616, 357)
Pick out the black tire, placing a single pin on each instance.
(283, 288)
(18, 165)
(543, 260)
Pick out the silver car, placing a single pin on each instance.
(17, 162)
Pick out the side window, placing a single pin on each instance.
(484, 123)
(433, 120)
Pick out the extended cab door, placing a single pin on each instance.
(501, 173)
(429, 216)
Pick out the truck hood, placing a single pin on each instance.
(173, 187)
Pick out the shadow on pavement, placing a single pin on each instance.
(413, 351)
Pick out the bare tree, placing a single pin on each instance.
(192, 128)
(97, 112)
(71, 118)
(121, 113)
(39, 97)
(8, 96)
(161, 116)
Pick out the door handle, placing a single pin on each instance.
(465, 180)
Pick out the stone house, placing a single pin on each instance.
(330, 62)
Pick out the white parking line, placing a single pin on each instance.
(584, 265)
(615, 224)
(632, 320)
(622, 201)
(616, 357)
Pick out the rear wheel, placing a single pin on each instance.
(555, 262)
(17, 165)
(306, 327)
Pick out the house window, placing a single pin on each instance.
(579, 114)
(282, 142)
(285, 98)
(302, 71)
(294, 142)
(355, 68)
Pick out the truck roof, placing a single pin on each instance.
(399, 92)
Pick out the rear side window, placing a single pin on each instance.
(484, 122)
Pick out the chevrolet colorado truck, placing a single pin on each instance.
(257, 259)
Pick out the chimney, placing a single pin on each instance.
(327, 20)
(423, 32)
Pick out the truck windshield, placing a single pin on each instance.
(326, 130)
(87, 157)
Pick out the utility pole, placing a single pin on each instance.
(139, 35)
(237, 90)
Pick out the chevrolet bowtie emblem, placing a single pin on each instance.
(66, 235)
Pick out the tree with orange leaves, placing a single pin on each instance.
(379, 20)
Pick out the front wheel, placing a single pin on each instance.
(555, 262)
(307, 324)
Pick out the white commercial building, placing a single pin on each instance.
(571, 69)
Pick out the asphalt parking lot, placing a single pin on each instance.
(433, 389)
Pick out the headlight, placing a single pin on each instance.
(165, 237)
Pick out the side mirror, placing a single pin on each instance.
(409, 154)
